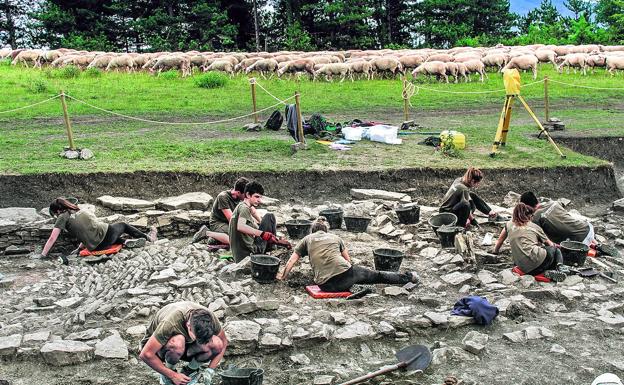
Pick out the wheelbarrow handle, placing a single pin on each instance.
(381, 371)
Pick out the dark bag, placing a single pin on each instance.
(275, 121)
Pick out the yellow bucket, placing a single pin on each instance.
(459, 139)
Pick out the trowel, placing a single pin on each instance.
(412, 358)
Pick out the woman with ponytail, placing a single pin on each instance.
(93, 234)
(331, 264)
(531, 249)
(462, 202)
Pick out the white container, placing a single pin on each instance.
(384, 134)
(353, 133)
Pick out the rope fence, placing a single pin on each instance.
(30, 105)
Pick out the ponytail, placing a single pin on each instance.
(522, 214)
(473, 175)
(320, 224)
(61, 205)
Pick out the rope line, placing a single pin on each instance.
(473, 92)
(254, 81)
(29, 106)
(589, 87)
(175, 123)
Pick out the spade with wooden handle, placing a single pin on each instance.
(414, 357)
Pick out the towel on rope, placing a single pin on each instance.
(114, 249)
(316, 293)
(477, 307)
(539, 277)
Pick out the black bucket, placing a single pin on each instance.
(574, 253)
(447, 235)
(298, 228)
(388, 259)
(356, 224)
(334, 217)
(442, 219)
(264, 268)
(408, 215)
(242, 376)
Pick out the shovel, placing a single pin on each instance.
(414, 357)
(591, 272)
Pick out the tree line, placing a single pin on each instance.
(216, 25)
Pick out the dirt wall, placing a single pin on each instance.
(607, 148)
(583, 184)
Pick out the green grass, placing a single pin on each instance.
(31, 139)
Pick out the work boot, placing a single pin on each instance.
(135, 243)
(564, 269)
(414, 278)
(152, 236)
(63, 260)
(555, 275)
(201, 234)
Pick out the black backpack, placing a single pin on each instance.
(275, 121)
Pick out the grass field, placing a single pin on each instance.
(31, 139)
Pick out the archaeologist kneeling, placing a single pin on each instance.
(184, 331)
(531, 249)
(331, 264)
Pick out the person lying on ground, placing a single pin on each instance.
(331, 264)
(183, 331)
(531, 249)
(463, 202)
(559, 225)
(246, 235)
(222, 208)
(93, 234)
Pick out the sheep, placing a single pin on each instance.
(295, 66)
(121, 62)
(283, 58)
(437, 68)
(172, 62)
(451, 70)
(614, 63)
(140, 60)
(49, 56)
(5, 52)
(100, 61)
(443, 57)
(221, 66)
(387, 64)
(546, 56)
(475, 67)
(263, 66)
(27, 57)
(524, 62)
(331, 69)
(411, 61)
(462, 71)
(361, 67)
(575, 60)
(596, 60)
(243, 64)
(498, 60)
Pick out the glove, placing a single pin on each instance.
(208, 374)
(269, 237)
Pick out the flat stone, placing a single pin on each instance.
(530, 333)
(429, 252)
(245, 308)
(20, 215)
(338, 318)
(475, 342)
(270, 340)
(10, 344)
(85, 335)
(86, 154)
(571, 295)
(44, 301)
(62, 352)
(457, 278)
(138, 330)
(165, 275)
(16, 250)
(300, 359)
(572, 280)
(394, 291)
(69, 303)
(189, 282)
(124, 204)
(508, 278)
(618, 205)
(323, 380)
(385, 328)
(558, 349)
(38, 337)
(456, 321)
(366, 194)
(112, 347)
(6, 282)
(243, 336)
(188, 201)
(617, 321)
(486, 277)
(451, 355)
(442, 259)
(437, 318)
(356, 330)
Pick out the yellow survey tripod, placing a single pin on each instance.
(511, 78)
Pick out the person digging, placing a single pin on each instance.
(246, 235)
(531, 249)
(559, 225)
(331, 264)
(461, 201)
(222, 208)
(184, 331)
(93, 234)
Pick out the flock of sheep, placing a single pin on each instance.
(456, 63)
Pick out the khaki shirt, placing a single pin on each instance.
(171, 321)
(223, 201)
(83, 226)
(242, 245)
(456, 193)
(325, 251)
(527, 245)
(559, 224)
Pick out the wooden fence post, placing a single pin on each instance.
(253, 99)
(299, 119)
(405, 101)
(546, 101)
(68, 127)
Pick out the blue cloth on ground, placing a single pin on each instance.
(477, 307)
